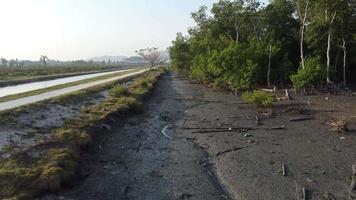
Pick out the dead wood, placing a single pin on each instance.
(229, 129)
(297, 190)
(288, 96)
(297, 119)
(284, 172)
(276, 128)
(339, 126)
(304, 192)
(352, 188)
(328, 196)
(229, 150)
(268, 90)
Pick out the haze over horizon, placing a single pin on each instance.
(81, 29)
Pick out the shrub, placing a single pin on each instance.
(310, 76)
(118, 90)
(259, 98)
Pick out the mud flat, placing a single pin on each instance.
(215, 150)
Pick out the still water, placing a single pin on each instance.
(27, 87)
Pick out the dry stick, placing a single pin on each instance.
(288, 94)
(304, 193)
(352, 189)
(220, 129)
(284, 170)
(300, 119)
(276, 127)
(297, 190)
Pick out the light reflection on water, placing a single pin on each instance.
(27, 87)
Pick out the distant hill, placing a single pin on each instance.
(107, 58)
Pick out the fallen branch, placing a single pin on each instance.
(284, 173)
(297, 119)
(229, 129)
(297, 190)
(304, 192)
(229, 150)
(276, 128)
(352, 188)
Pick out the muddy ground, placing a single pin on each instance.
(195, 143)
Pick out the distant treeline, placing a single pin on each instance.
(241, 44)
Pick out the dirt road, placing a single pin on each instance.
(213, 149)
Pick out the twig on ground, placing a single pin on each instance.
(304, 192)
(352, 189)
(229, 150)
(297, 190)
(276, 127)
(297, 119)
(284, 170)
(228, 129)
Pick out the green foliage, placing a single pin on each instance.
(118, 90)
(180, 53)
(310, 76)
(231, 46)
(259, 98)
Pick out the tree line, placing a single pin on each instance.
(241, 43)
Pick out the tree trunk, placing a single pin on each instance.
(269, 66)
(301, 47)
(302, 29)
(237, 34)
(328, 50)
(345, 57)
(328, 57)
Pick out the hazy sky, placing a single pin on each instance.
(80, 29)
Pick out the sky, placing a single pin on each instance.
(81, 29)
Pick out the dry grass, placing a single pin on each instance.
(339, 126)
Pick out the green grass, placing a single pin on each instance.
(118, 90)
(259, 98)
(24, 177)
(61, 86)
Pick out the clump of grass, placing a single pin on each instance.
(23, 179)
(118, 91)
(259, 98)
(263, 100)
(73, 136)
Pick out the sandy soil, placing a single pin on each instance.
(213, 149)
